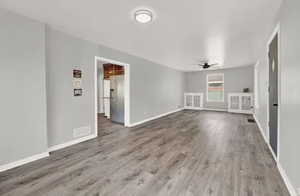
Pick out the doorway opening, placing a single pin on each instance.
(274, 91)
(111, 92)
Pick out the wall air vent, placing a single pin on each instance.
(81, 131)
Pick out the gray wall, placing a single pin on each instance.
(262, 102)
(23, 93)
(290, 92)
(235, 79)
(64, 111)
(38, 60)
(154, 89)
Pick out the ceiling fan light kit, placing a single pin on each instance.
(143, 16)
(206, 65)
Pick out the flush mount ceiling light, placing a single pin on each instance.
(143, 16)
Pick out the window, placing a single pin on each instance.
(215, 88)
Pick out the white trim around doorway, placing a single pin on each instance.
(274, 33)
(127, 89)
(277, 159)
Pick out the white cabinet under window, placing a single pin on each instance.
(193, 101)
(240, 103)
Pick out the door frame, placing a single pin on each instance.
(276, 31)
(126, 89)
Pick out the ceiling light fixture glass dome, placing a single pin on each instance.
(143, 16)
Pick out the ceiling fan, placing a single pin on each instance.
(206, 64)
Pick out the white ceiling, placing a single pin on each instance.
(229, 32)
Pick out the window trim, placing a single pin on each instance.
(215, 74)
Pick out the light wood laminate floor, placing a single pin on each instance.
(187, 153)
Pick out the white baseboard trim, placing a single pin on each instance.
(282, 172)
(45, 154)
(286, 180)
(261, 130)
(70, 143)
(191, 108)
(215, 109)
(240, 112)
(23, 161)
(155, 117)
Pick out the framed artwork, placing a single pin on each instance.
(77, 76)
(77, 73)
(76, 83)
(77, 92)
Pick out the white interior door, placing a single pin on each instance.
(106, 97)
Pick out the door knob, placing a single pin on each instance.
(275, 104)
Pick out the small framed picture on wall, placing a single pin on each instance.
(77, 92)
(77, 77)
(77, 73)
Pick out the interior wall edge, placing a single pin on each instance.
(282, 172)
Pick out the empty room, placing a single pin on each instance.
(149, 98)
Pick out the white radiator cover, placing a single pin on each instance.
(193, 101)
(240, 103)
